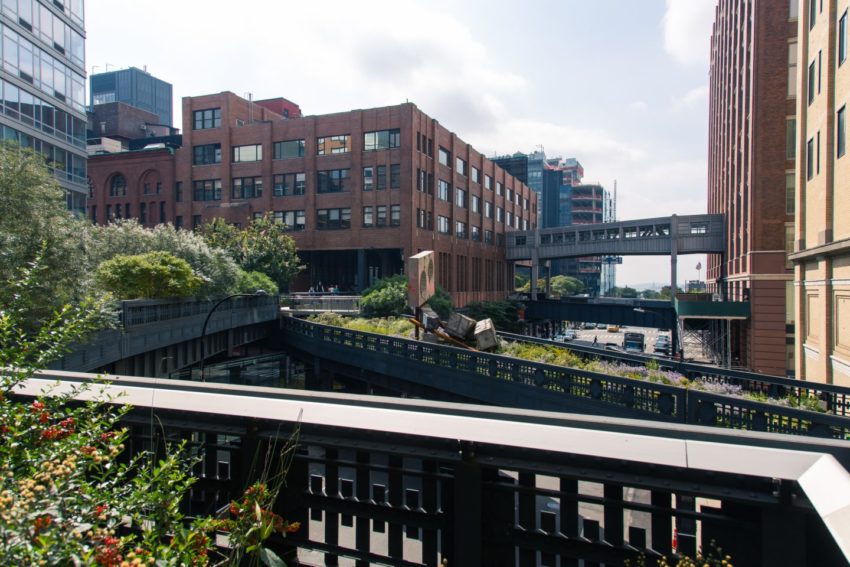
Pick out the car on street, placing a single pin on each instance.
(589, 325)
(565, 337)
(662, 344)
(613, 328)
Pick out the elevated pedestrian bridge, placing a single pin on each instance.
(663, 236)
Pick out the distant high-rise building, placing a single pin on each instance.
(135, 87)
(752, 86)
(43, 77)
(527, 168)
(821, 241)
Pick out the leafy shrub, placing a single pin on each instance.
(252, 282)
(505, 314)
(148, 276)
(215, 267)
(441, 302)
(386, 297)
(391, 326)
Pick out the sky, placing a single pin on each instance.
(621, 85)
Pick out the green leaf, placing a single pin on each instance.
(270, 558)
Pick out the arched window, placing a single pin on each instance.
(118, 187)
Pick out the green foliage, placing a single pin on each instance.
(520, 281)
(391, 326)
(386, 297)
(541, 353)
(214, 266)
(66, 493)
(264, 246)
(153, 275)
(622, 292)
(34, 221)
(441, 302)
(505, 314)
(252, 282)
(566, 285)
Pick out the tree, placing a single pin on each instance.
(566, 285)
(622, 292)
(148, 276)
(505, 314)
(520, 281)
(127, 237)
(264, 246)
(35, 222)
(386, 297)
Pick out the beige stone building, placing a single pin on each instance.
(821, 247)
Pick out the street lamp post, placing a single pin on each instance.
(258, 293)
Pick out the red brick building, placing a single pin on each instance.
(751, 172)
(360, 190)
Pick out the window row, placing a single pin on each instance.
(33, 111)
(50, 28)
(64, 165)
(34, 65)
(424, 144)
(375, 177)
(376, 216)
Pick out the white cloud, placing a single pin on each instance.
(696, 98)
(638, 106)
(687, 30)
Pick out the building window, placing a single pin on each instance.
(420, 218)
(442, 224)
(488, 209)
(146, 188)
(789, 193)
(842, 38)
(812, 13)
(253, 152)
(205, 119)
(381, 177)
(334, 145)
(811, 82)
(810, 159)
(840, 144)
(460, 198)
(162, 211)
(498, 188)
(820, 60)
(460, 166)
(460, 229)
(790, 138)
(178, 222)
(246, 188)
(792, 69)
(444, 157)
(368, 178)
(368, 217)
(289, 184)
(143, 213)
(333, 219)
(293, 220)
(793, 9)
(288, 149)
(525, 203)
(381, 216)
(118, 186)
(476, 175)
(510, 219)
(381, 140)
(207, 190)
(488, 182)
(206, 154)
(500, 214)
(817, 155)
(488, 237)
(395, 176)
(196, 221)
(475, 204)
(395, 215)
(332, 181)
(476, 233)
(525, 224)
(443, 190)
(94, 213)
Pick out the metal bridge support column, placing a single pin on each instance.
(535, 273)
(674, 250)
(548, 279)
(361, 270)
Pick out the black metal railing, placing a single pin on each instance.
(146, 311)
(579, 390)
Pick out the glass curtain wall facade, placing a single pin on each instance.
(42, 77)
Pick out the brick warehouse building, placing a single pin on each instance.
(751, 166)
(361, 190)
